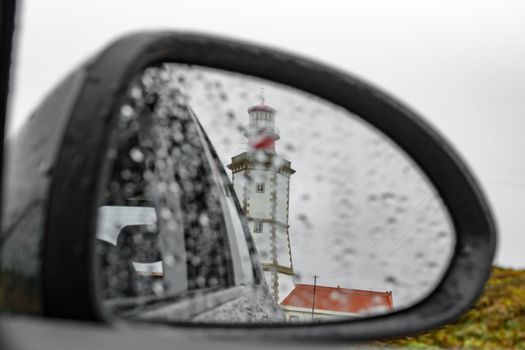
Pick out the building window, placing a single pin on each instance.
(259, 187)
(293, 319)
(258, 227)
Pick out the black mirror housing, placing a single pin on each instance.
(64, 269)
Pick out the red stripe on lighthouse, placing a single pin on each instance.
(265, 142)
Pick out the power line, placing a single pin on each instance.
(313, 299)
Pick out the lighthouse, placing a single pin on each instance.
(261, 180)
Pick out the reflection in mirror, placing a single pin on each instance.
(233, 199)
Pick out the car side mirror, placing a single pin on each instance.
(147, 122)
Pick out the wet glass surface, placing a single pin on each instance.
(294, 211)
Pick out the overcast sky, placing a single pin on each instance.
(459, 64)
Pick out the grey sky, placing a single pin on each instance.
(460, 64)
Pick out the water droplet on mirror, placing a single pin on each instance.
(126, 112)
(200, 281)
(349, 251)
(442, 238)
(391, 220)
(241, 129)
(289, 147)
(391, 282)
(466, 250)
(230, 115)
(377, 300)
(136, 93)
(169, 259)
(125, 174)
(204, 219)
(136, 154)
(400, 210)
(165, 213)
(195, 260)
(432, 265)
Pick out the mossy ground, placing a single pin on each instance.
(496, 321)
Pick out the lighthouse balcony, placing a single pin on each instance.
(254, 131)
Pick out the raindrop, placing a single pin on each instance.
(391, 220)
(432, 264)
(204, 219)
(125, 174)
(466, 250)
(165, 213)
(136, 154)
(126, 112)
(349, 251)
(377, 300)
(136, 93)
(196, 261)
(200, 281)
(169, 260)
(335, 295)
(230, 115)
(391, 281)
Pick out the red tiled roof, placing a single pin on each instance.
(337, 299)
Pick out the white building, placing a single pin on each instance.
(261, 180)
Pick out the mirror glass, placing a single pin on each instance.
(229, 198)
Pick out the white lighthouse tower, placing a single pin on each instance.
(261, 180)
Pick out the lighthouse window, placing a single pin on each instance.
(259, 187)
(258, 227)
